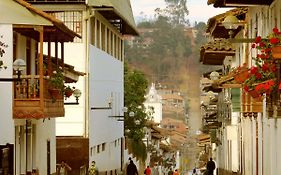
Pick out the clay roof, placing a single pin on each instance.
(114, 9)
(64, 30)
(213, 53)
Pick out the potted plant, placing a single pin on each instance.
(68, 91)
(56, 83)
(263, 74)
(241, 73)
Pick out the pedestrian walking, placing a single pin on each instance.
(63, 168)
(211, 166)
(93, 170)
(147, 171)
(194, 171)
(132, 169)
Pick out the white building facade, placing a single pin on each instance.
(100, 54)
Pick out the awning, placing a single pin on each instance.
(114, 10)
(12, 12)
(214, 53)
(26, 14)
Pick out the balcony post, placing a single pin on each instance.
(41, 68)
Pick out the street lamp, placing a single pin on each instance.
(214, 75)
(76, 93)
(19, 65)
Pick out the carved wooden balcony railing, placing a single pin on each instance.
(29, 104)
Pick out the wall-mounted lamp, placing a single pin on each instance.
(231, 23)
(76, 93)
(214, 75)
(19, 65)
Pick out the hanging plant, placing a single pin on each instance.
(262, 75)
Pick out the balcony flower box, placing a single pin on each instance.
(55, 93)
(241, 76)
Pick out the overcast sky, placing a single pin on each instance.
(198, 9)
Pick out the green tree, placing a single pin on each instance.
(176, 11)
(135, 89)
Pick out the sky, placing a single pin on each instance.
(198, 9)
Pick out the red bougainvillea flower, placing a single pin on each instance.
(253, 46)
(254, 70)
(262, 56)
(261, 44)
(271, 82)
(246, 88)
(258, 75)
(266, 56)
(273, 68)
(259, 88)
(265, 67)
(274, 40)
(267, 50)
(258, 39)
(279, 87)
(275, 30)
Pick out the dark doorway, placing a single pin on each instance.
(48, 157)
(6, 159)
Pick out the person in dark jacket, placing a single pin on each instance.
(132, 169)
(211, 166)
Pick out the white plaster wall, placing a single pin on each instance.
(73, 123)
(260, 144)
(232, 133)
(248, 149)
(7, 124)
(45, 131)
(254, 142)
(266, 145)
(106, 84)
(157, 115)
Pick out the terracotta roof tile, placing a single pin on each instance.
(218, 45)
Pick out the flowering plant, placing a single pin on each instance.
(2, 51)
(56, 80)
(265, 68)
(68, 91)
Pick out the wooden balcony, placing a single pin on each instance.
(30, 103)
(56, 1)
